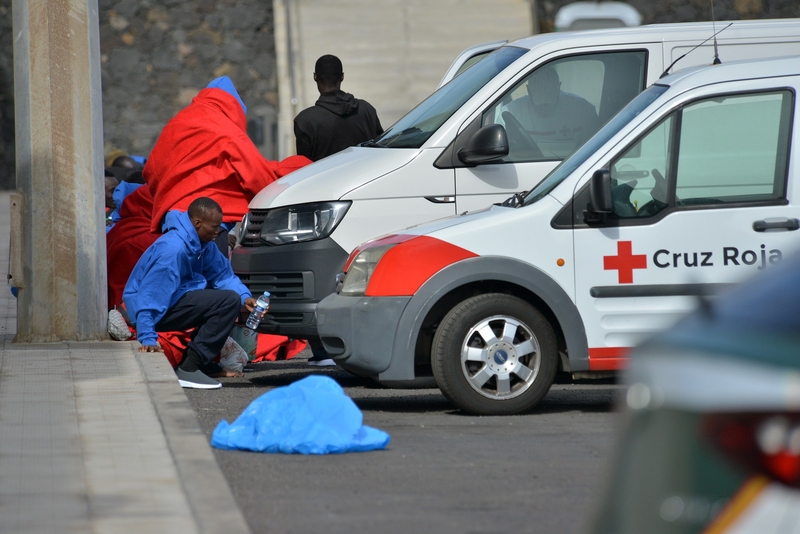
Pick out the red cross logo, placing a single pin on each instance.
(625, 262)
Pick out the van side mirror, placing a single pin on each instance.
(488, 144)
(600, 202)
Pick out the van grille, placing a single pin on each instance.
(290, 319)
(252, 232)
(294, 286)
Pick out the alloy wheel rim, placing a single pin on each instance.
(500, 357)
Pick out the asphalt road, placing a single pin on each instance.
(443, 471)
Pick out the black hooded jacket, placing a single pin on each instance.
(336, 121)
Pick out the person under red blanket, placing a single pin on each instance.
(127, 241)
(204, 151)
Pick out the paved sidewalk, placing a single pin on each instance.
(97, 437)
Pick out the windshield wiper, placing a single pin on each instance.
(515, 200)
(372, 143)
(405, 133)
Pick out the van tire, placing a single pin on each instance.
(513, 355)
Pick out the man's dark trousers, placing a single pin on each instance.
(212, 312)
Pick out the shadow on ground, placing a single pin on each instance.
(371, 396)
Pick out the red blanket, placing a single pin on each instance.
(204, 151)
(269, 348)
(127, 241)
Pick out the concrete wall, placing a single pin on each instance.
(157, 55)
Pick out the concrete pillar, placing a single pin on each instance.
(59, 149)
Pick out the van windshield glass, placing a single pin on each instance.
(420, 123)
(566, 167)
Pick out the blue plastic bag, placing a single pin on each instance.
(310, 416)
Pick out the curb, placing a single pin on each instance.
(205, 487)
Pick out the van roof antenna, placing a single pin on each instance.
(714, 29)
(693, 49)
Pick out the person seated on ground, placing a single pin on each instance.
(204, 151)
(135, 177)
(127, 162)
(121, 192)
(556, 121)
(119, 158)
(127, 241)
(183, 281)
(124, 174)
(111, 183)
(125, 244)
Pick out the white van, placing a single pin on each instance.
(474, 142)
(692, 187)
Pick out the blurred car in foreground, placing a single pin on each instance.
(712, 437)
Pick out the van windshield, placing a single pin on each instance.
(566, 167)
(420, 123)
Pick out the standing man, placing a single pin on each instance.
(183, 281)
(337, 120)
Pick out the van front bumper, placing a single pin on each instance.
(359, 332)
(297, 275)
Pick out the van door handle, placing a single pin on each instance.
(776, 224)
(441, 200)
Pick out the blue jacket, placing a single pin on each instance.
(120, 192)
(172, 266)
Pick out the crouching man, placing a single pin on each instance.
(183, 281)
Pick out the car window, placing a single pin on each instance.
(721, 150)
(560, 105)
(733, 149)
(639, 183)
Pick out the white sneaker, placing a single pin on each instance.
(322, 363)
(117, 327)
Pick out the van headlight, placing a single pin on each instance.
(361, 269)
(304, 222)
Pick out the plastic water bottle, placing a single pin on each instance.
(262, 304)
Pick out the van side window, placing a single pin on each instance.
(721, 150)
(734, 149)
(560, 105)
(639, 175)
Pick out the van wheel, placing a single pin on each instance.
(494, 354)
